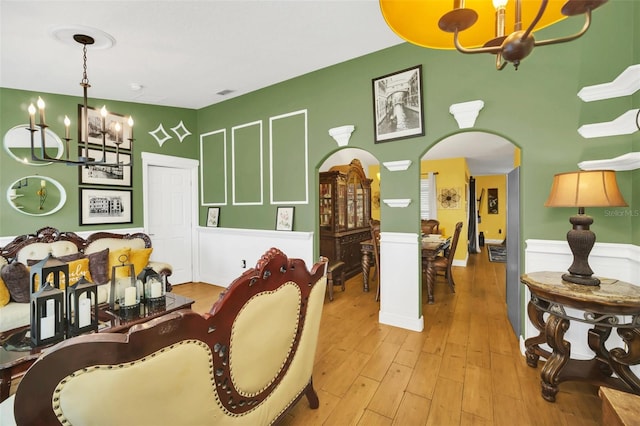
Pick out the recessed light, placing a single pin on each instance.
(135, 86)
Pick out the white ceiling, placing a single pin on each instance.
(183, 53)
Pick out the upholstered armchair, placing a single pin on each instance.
(245, 362)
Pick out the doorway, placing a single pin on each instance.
(171, 211)
(487, 154)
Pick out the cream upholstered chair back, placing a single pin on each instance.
(245, 362)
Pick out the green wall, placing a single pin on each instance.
(13, 111)
(536, 108)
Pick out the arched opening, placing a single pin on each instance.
(477, 183)
(349, 184)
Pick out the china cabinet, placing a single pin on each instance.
(345, 212)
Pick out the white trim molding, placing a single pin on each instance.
(626, 124)
(629, 161)
(398, 202)
(466, 113)
(396, 166)
(627, 83)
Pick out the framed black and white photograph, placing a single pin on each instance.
(492, 201)
(397, 105)
(284, 219)
(105, 175)
(116, 128)
(213, 216)
(100, 206)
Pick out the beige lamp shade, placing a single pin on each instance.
(592, 188)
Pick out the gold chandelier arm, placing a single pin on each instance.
(462, 49)
(543, 7)
(585, 27)
(500, 64)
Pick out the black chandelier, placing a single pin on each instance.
(112, 133)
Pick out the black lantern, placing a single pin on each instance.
(47, 301)
(82, 300)
(125, 290)
(154, 287)
(47, 318)
(40, 272)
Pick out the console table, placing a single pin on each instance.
(603, 307)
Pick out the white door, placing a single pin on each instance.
(168, 211)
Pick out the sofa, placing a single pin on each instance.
(92, 257)
(245, 362)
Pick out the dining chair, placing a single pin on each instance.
(430, 226)
(375, 240)
(443, 263)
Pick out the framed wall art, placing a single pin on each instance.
(284, 219)
(213, 216)
(397, 105)
(100, 206)
(105, 175)
(115, 126)
(492, 201)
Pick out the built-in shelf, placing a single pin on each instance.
(630, 161)
(626, 124)
(625, 84)
(397, 202)
(394, 166)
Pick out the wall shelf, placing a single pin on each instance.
(630, 161)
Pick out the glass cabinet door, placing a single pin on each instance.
(326, 206)
(342, 214)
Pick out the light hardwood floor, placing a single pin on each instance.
(465, 368)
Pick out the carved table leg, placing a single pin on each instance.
(555, 330)
(366, 265)
(621, 360)
(532, 344)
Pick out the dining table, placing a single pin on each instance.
(430, 248)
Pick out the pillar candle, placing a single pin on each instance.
(51, 306)
(47, 326)
(156, 289)
(84, 313)
(129, 296)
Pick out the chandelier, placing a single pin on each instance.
(104, 133)
(483, 29)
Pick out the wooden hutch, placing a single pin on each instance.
(345, 212)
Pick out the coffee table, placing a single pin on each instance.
(17, 354)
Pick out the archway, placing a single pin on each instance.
(488, 161)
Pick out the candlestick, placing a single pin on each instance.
(41, 106)
(84, 313)
(32, 117)
(67, 123)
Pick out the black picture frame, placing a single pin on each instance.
(284, 218)
(105, 175)
(398, 111)
(492, 201)
(95, 125)
(105, 206)
(213, 217)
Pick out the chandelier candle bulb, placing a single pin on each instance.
(32, 117)
(41, 106)
(67, 123)
(130, 122)
(103, 114)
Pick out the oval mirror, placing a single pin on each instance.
(36, 195)
(17, 143)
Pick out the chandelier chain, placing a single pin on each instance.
(85, 79)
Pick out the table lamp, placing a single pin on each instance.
(592, 188)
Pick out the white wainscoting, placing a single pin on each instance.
(400, 281)
(221, 251)
(621, 261)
